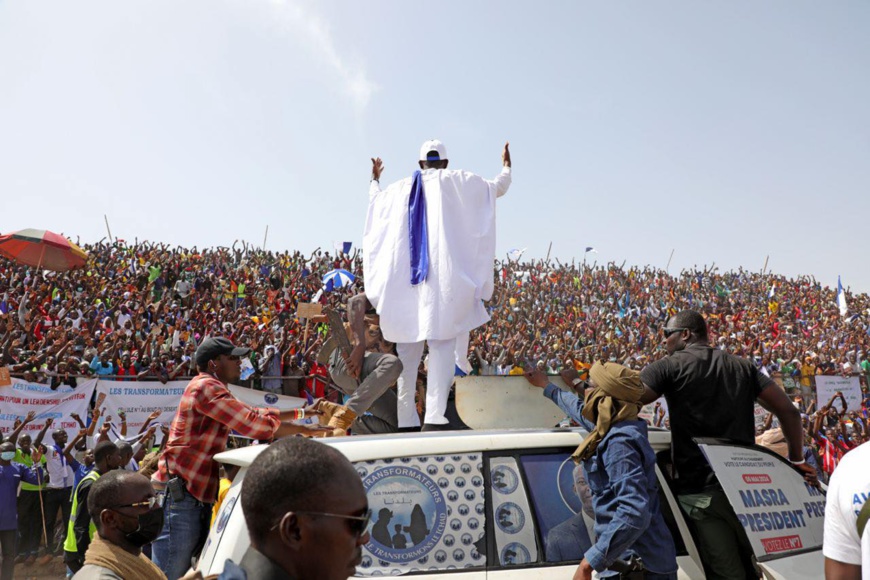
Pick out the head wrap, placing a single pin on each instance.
(615, 398)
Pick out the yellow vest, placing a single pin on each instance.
(70, 544)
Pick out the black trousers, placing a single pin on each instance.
(56, 500)
(7, 547)
(29, 522)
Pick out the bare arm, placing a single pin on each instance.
(835, 570)
(69, 448)
(775, 400)
(13, 437)
(42, 432)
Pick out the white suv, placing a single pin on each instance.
(482, 504)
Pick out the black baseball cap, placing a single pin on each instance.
(211, 348)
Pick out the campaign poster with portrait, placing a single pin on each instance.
(427, 514)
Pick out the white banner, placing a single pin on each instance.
(827, 386)
(780, 513)
(138, 399)
(21, 397)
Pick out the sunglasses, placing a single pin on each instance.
(154, 500)
(356, 524)
(669, 331)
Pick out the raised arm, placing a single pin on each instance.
(13, 437)
(776, 401)
(42, 432)
(67, 452)
(356, 314)
(151, 417)
(503, 181)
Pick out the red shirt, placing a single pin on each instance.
(200, 429)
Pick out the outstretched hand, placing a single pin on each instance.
(377, 168)
(506, 155)
(536, 378)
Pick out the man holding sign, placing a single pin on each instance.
(206, 415)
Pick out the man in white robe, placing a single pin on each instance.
(429, 248)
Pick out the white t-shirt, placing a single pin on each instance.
(847, 492)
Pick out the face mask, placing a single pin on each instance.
(150, 526)
(7, 455)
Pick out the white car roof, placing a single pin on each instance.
(369, 447)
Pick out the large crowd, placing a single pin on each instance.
(139, 311)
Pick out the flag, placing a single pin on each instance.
(772, 291)
(841, 298)
(516, 254)
(343, 247)
(590, 249)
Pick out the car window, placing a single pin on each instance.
(780, 513)
(428, 513)
(514, 526)
(558, 492)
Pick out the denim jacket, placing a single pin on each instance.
(622, 478)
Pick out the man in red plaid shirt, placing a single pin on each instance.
(187, 471)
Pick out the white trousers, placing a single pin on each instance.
(441, 366)
(462, 352)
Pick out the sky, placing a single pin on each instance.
(725, 132)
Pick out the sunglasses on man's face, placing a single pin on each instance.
(150, 503)
(669, 331)
(356, 524)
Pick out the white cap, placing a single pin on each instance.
(433, 145)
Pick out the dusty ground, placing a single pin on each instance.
(53, 570)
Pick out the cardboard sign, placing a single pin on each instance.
(5, 379)
(827, 386)
(779, 512)
(308, 310)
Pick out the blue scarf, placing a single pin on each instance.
(418, 231)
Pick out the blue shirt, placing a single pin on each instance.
(10, 476)
(80, 470)
(99, 369)
(625, 494)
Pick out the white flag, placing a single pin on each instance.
(516, 254)
(841, 298)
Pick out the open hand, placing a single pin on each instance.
(377, 168)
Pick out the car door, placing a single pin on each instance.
(782, 515)
(428, 517)
(536, 527)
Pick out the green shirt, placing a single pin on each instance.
(27, 460)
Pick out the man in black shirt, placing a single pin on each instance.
(711, 393)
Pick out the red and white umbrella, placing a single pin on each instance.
(42, 249)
